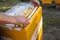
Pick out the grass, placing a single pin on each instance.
(5, 8)
(51, 18)
(51, 24)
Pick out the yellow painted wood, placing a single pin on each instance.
(26, 33)
(35, 20)
(57, 1)
(40, 30)
(40, 34)
(46, 1)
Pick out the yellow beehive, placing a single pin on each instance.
(46, 1)
(26, 33)
(57, 2)
(40, 30)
